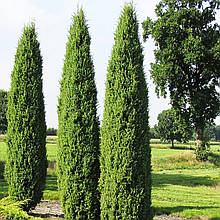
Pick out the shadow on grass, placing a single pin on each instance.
(3, 188)
(176, 209)
(159, 180)
(51, 183)
(3, 184)
(182, 148)
(2, 166)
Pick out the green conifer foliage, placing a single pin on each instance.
(125, 181)
(78, 132)
(26, 135)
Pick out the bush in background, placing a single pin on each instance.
(51, 131)
(3, 110)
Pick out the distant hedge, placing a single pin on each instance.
(51, 131)
(3, 110)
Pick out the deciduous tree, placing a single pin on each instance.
(187, 60)
(170, 127)
(217, 132)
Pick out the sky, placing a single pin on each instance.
(53, 19)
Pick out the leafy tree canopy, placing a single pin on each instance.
(170, 127)
(217, 132)
(187, 59)
(51, 131)
(210, 132)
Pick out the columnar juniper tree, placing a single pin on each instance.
(78, 132)
(187, 60)
(125, 181)
(26, 135)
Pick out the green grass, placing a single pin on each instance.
(188, 193)
(170, 159)
(157, 143)
(51, 190)
(2, 138)
(51, 151)
(184, 186)
(51, 139)
(191, 145)
(2, 151)
(181, 185)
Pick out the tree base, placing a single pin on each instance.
(202, 155)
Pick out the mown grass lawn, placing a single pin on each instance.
(189, 193)
(181, 185)
(184, 186)
(51, 152)
(2, 151)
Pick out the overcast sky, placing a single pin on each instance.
(53, 19)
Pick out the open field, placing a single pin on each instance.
(181, 185)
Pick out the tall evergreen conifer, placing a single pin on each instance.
(78, 132)
(125, 181)
(26, 135)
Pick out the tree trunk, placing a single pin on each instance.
(201, 153)
(172, 144)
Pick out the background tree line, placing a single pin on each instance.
(171, 127)
(3, 111)
(174, 129)
(3, 117)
